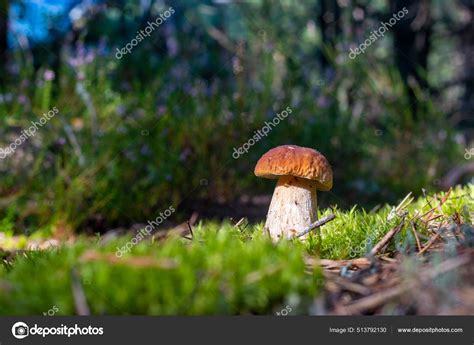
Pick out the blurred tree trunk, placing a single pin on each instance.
(328, 20)
(3, 38)
(467, 48)
(412, 42)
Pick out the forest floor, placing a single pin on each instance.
(416, 257)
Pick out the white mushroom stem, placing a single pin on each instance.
(293, 207)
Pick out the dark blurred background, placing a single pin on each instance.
(158, 126)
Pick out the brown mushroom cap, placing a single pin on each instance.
(292, 160)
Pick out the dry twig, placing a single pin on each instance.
(415, 233)
(313, 226)
(332, 264)
(388, 236)
(429, 244)
(378, 299)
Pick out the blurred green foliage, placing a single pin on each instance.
(139, 134)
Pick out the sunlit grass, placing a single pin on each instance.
(222, 270)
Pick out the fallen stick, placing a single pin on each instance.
(429, 244)
(378, 299)
(328, 264)
(388, 236)
(404, 203)
(313, 226)
(391, 260)
(415, 233)
(440, 203)
(348, 285)
(371, 302)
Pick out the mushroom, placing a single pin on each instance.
(300, 172)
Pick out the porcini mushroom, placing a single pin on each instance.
(300, 172)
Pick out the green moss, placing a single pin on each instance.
(217, 273)
(354, 233)
(221, 271)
